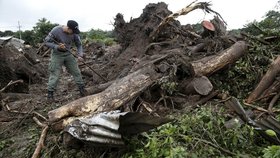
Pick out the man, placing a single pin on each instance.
(60, 40)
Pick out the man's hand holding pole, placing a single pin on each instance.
(81, 59)
(61, 47)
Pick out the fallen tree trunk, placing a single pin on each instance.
(98, 88)
(209, 65)
(273, 89)
(120, 92)
(266, 81)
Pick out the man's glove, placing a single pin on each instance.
(61, 47)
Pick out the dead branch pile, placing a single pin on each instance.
(147, 70)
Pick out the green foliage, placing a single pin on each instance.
(271, 133)
(28, 36)
(272, 151)
(272, 20)
(43, 27)
(168, 85)
(109, 41)
(35, 36)
(200, 133)
(240, 79)
(5, 143)
(269, 26)
(6, 33)
(98, 35)
(41, 30)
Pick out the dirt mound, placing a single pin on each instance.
(10, 60)
(134, 38)
(135, 41)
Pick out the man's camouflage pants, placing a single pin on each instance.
(58, 59)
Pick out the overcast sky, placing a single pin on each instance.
(100, 14)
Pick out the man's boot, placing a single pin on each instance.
(83, 91)
(50, 98)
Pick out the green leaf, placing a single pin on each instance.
(270, 133)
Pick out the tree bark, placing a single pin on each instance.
(120, 92)
(98, 88)
(209, 65)
(270, 92)
(266, 81)
(199, 47)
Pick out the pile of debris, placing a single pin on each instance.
(157, 55)
(19, 62)
(158, 66)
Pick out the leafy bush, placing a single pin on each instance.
(200, 133)
(41, 30)
(272, 151)
(37, 34)
(98, 35)
(240, 79)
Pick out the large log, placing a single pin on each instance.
(209, 65)
(266, 81)
(120, 92)
(98, 88)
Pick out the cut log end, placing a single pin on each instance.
(208, 25)
(202, 85)
(198, 85)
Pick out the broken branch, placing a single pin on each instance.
(40, 144)
(266, 81)
(208, 65)
(9, 84)
(273, 101)
(255, 107)
(193, 6)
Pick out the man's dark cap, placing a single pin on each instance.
(73, 25)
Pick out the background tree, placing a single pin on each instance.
(270, 25)
(7, 33)
(27, 36)
(98, 35)
(41, 30)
